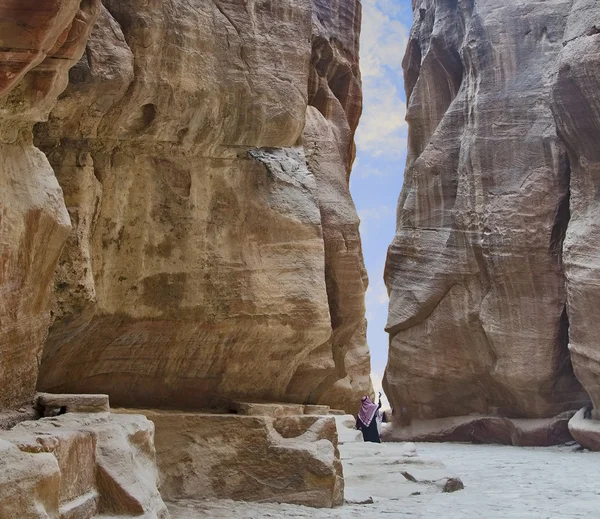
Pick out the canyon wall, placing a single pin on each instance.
(493, 272)
(37, 48)
(204, 151)
(576, 106)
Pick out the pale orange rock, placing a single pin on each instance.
(215, 250)
(78, 466)
(39, 42)
(285, 458)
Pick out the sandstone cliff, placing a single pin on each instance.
(503, 125)
(204, 151)
(576, 106)
(37, 48)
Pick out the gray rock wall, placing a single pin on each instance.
(484, 304)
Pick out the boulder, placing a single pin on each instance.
(78, 466)
(287, 459)
(29, 483)
(585, 430)
(541, 432)
(49, 403)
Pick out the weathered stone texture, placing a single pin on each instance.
(478, 313)
(285, 458)
(337, 373)
(215, 248)
(541, 432)
(39, 42)
(585, 430)
(576, 105)
(78, 466)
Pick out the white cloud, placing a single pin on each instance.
(382, 130)
(377, 298)
(377, 294)
(372, 218)
(361, 171)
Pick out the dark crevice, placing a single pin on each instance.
(563, 367)
(148, 114)
(563, 214)
(593, 30)
(340, 83)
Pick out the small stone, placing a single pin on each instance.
(453, 485)
(365, 501)
(411, 477)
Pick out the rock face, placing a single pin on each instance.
(335, 104)
(285, 458)
(204, 151)
(479, 318)
(38, 44)
(541, 432)
(576, 106)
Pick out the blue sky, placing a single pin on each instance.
(377, 177)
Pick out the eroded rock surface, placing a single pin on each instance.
(576, 105)
(478, 311)
(585, 430)
(39, 42)
(78, 466)
(540, 432)
(335, 105)
(382, 479)
(285, 458)
(204, 150)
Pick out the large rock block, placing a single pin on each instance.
(39, 42)
(540, 432)
(290, 459)
(29, 483)
(75, 452)
(78, 466)
(478, 318)
(585, 430)
(214, 234)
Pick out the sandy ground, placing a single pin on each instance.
(500, 482)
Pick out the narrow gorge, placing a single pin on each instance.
(182, 282)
